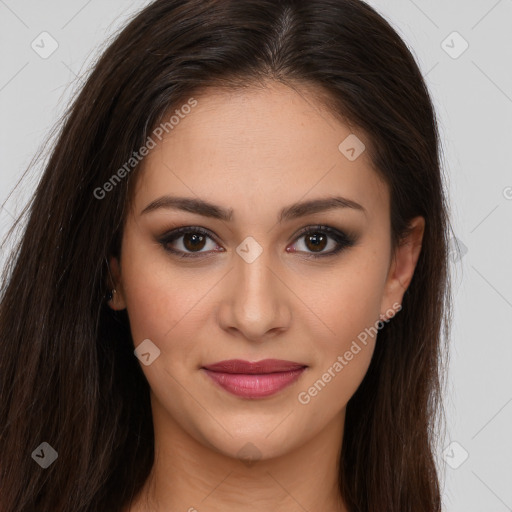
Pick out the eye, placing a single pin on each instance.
(192, 241)
(316, 239)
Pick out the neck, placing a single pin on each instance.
(189, 476)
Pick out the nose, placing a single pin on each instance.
(256, 300)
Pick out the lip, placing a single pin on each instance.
(254, 380)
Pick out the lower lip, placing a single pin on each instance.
(254, 386)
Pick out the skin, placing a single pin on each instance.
(255, 151)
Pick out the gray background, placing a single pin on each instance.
(473, 98)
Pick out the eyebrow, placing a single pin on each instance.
(294, 211)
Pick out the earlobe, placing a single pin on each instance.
(115, 298)
(403, 264)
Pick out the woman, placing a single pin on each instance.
(230, 291)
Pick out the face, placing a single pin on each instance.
(256, 277)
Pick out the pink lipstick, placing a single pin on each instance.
(254, 380)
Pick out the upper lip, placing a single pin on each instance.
(257, 367)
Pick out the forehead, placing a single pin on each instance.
(257, 149)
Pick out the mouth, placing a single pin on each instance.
(254, 380)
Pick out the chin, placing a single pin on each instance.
(249, 443)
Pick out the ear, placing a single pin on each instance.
(402, 266)
(118, 301)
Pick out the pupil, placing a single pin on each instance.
(193, 241)
(318, 241)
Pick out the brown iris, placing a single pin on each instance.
(317, 240)
(193, 241)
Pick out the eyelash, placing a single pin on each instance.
(343, 240)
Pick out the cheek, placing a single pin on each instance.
(168, 305)
(351, 299)
(158, 298)
(344, 354)
(350, 308)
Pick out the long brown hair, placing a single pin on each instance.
(68, 375)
